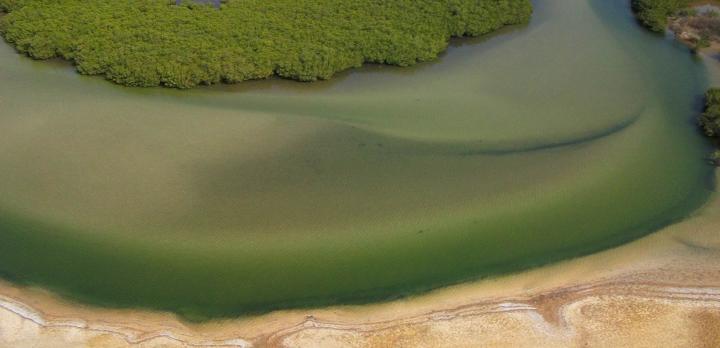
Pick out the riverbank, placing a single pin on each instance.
(108, 137)
(661, 290)
(698, 27)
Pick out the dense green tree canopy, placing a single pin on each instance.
(710, 119)
(156, 42)
(654, 13)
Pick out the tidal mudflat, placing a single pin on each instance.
(548, 141)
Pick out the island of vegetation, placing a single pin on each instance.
(161, 43)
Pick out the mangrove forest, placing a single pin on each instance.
(184, 44)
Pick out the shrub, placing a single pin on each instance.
(654, 13)
(710, 120)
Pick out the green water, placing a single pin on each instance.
(543, 142)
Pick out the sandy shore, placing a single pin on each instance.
(662, 290)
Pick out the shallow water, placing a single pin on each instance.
(564, 137)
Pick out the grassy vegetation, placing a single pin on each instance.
(156, 42)
(654, 13)
(710, 119)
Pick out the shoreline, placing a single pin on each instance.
(663, 289)
(675, 271)
(685, 33)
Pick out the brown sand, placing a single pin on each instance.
(663, 290)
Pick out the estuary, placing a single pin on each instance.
(567, 136)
